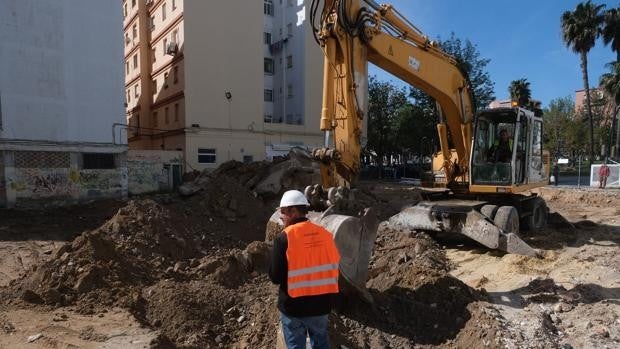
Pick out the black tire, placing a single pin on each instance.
(538, 219)
(507, 219)
(489, 211)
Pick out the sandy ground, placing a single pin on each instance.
(570, 298)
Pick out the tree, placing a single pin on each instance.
(611, 30)
(610, 83)
(385, 99)
(561, 130)
(580, 30)
(520, 91)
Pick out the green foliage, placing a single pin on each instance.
(611, 30)
(581, 28)
(520, 91)
(563, 133)
(610, 82)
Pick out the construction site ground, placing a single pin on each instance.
(171, 271)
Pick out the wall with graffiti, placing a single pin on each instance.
(153, 171)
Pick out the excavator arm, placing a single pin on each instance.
(355, 32)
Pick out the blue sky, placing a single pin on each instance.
(521, 38)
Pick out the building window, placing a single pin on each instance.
(268, 66)
(166, 80)
(176, 112)
(134, 30)
(289, 29)
(154, 86)
(268, 95)
(163, 12)
(268, 118)
(126, 67)
(128, 96)
(135, 61)
(289, 61)
(206, 156)
(174, 5)
(289, 91)
(97, 161)
(165, 44)
(133, 3)
(267, 38)
(125, 10)
(268, 7)
(135, 91)
(175, 36)
(127, 39)
(152, 23)
(154, 54)
(155, 121)
(175, 74)
(166, 117)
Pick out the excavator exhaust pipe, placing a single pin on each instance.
(354, 238)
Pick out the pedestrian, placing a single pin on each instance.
(603, 173)
(304, 262)
(556, 174)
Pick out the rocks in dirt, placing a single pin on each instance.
(600, 332)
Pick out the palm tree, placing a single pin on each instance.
(611, 30)
(579, 31)
(520, 92)
(610, 82)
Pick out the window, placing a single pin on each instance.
(269, 66)
(176, 111)
(127, 39)
(267, 38)
(165, 44)
(289, 61)
(154, 86)
(96, 161)
(135, 91)
(126, 67)
(268, 7)
(135, 61)
(175, 74)
(289, 91)
(152, 23)
(268, 95)
(133, 3)
(128, 96)
(175, 36)
(166, 117)
(206, 156)
(163, 12)
(289, 29)
(267, 118)
(174, 5)
(134, 30)
(155, 121)
(166, 80)
(154, 54)
(125, 10)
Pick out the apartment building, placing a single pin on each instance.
(60, 96)
(230, 80)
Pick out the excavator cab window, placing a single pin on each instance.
(494, 146)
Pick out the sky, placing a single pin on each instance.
(521, 38)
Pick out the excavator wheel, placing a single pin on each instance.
(538, 219)
(489, 211)
(507, 219)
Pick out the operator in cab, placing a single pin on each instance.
(501, 151)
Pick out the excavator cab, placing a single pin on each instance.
(507, 151)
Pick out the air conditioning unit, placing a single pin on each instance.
(172, 48)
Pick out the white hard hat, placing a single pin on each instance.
(294, 198)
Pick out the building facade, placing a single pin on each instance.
(57, 110)
(232, 80)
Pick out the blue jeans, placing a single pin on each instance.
(295, 330)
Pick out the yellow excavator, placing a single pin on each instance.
(484, 195)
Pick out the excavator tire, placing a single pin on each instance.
(507, 219)
(538, 219)
(489, 211)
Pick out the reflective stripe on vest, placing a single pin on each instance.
(312, 260)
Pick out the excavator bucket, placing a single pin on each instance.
(354, 237)
(463, 218)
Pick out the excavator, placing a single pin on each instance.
(474, 192)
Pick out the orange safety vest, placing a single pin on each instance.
(312, 260)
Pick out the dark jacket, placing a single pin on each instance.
(278, 270)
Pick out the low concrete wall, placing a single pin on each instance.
(151, 171)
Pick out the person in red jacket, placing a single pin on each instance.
(304, 262)
(603, 173)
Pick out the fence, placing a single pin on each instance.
(613, 181)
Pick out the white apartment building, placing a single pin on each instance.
(227, 80)
(60, 96)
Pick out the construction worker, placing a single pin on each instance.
(603, 173)
(304, 263)
(502, 148)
